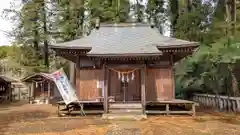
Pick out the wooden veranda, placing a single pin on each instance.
(167, 107)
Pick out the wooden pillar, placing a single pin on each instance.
(194, 110)
(19, 94)
(143, 88)
(167, 109)
(78, 77)
(172, 73)
(72, 72)
(43, 90)
(32, 89)
(9, 91)
(49, 91)
(105, 104)
(29, 94)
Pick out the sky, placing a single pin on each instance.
(4, 24)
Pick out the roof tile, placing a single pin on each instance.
(124, 39)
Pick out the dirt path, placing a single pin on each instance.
(42, 120)
(124, 128)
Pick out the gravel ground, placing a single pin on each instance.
(42, 120)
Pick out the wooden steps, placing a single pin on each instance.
(126, 117)
(125, 111)
(129, 108)
(125, 106)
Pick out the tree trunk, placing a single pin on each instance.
(35, 34)
(233, 15)
(188, 5)
(46, 61)
(174, 7)
(234, 82)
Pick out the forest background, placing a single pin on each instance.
(214, 68)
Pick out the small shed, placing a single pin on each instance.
(42, 89)
(6, 88)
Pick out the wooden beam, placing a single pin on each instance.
(143, 88)
(124, 66)
(105, 105)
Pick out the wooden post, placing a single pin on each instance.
(19, 94)
(72, 72)
(9, 92)
(193, 110)
(43, 90)
(172, 72)
(29, 93)
(32, 92)
(167, 109)
(58, 110)
(49, 91)
(105, 105)
(143, 88)
(78, 77)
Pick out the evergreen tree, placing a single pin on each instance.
(109, 10)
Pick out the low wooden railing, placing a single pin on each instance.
(224, 103)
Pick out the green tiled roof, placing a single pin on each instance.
(124, 39)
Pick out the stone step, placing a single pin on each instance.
(124, 116)
(134, 111)
(125, 106)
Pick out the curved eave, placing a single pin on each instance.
(135, 56)
(32, 77)
(191, 44)
(178, 48)
(72, 51)
(70, 47)
(125, 55)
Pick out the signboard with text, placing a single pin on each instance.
(64, 86)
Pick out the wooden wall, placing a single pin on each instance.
(91, 84)
(115, 86)
(41, 89)
(133, 90)
(159, 84)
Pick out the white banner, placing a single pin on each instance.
(64, 86)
